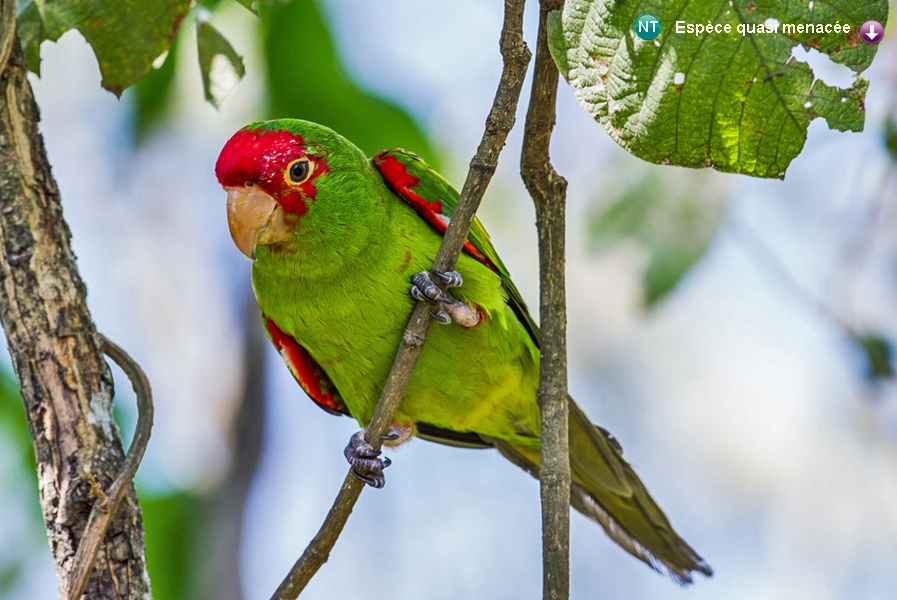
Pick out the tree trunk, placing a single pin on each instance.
(65, 382)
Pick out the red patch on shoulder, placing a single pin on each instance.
(402, 182)
(308, 373)
(399, 180)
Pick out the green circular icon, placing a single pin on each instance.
(647, 26)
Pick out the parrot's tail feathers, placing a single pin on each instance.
(607, 490)
(582, 501)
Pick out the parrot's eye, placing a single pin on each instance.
(299, 171)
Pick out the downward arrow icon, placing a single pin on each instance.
(871, 32)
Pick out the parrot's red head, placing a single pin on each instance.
(269, 174)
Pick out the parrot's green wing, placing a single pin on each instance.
(436, 200)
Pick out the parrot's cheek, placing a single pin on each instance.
(255, 218)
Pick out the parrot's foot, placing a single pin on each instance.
(365, 461)
(447, 309)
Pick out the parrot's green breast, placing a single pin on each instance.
(345, 298)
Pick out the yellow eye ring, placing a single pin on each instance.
(298, 171)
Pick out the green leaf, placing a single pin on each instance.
(222, 68)
(147, 26)
(738, 103)
(879, 354)
(670, 216)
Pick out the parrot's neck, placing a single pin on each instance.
(321, 254)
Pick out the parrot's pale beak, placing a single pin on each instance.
(255, 218)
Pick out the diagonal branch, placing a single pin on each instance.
(548, 190)
(501, 118)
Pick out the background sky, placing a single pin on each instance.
(738, 398)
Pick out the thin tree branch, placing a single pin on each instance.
(107, 503)
(501, 118)
(548, 190)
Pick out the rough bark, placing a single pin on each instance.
(65, 382)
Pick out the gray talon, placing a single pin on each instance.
(365, 462)
(424, 286)
(441, 316)
(452, 279)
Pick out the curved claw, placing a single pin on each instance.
(452, 279)
(365, 461)
(441, 316)
(423, 288)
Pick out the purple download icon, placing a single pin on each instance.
(872, 32)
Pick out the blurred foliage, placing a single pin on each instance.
(890, 130)
(151, 95)
(148, 26)
(13, 425)
(172, 544)
(879, 355)
(669, 214)
(307, 80)
(737, 101)
(15, 441)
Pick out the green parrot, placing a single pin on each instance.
(335, 239)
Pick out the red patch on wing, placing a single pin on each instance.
(399, 180)
(260, 157)
(402, 182)
(308, 373)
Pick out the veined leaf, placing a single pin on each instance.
(735, 101)
(149, 27)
